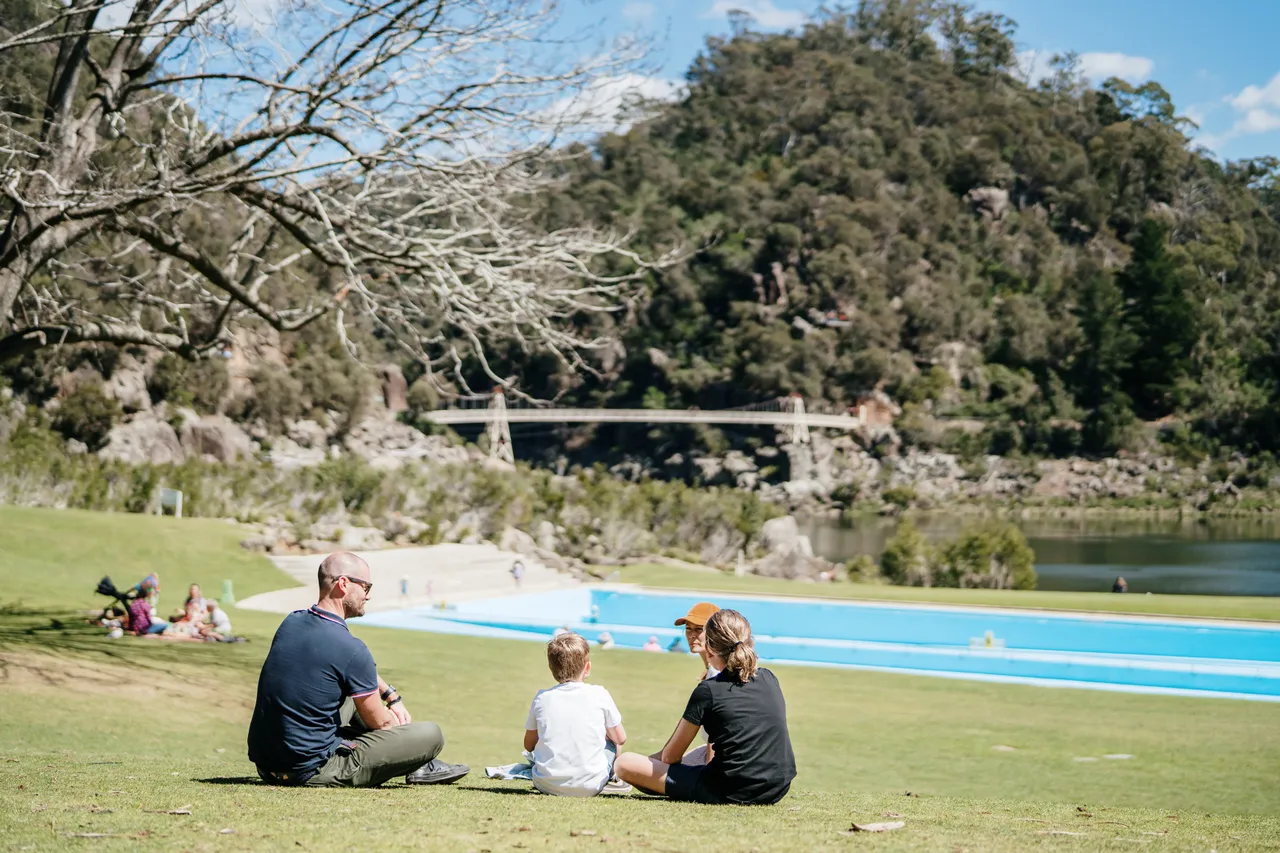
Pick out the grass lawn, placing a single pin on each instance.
(103, 739)
(1208, 606)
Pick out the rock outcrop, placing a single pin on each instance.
(145, 439)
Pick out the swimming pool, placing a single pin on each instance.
(1055, 649)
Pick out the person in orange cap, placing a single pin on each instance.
(695, 624)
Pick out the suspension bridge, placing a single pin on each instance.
(494, 411)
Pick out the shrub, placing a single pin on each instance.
(863, 569)
(995, 556)
(87, 414)
(902, 496)
(335, 384)
(201, 385)
(276, 398)
(907, 559)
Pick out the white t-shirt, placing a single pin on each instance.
(570, 758)
(221, 621)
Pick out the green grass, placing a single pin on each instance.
(1205, 606)
(106, 736)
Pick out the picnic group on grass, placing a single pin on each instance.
(199, 619)
(325, 718)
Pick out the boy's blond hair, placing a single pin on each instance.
(567, 656)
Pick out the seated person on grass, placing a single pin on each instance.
(323, 717)
(695, 622)
(216, 624)
(746, 717)
(574, 729)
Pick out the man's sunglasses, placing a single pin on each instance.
(367, 585)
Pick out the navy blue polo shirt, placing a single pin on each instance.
(314, 664)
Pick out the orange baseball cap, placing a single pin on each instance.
(699, 613)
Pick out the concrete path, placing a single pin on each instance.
(438, 573)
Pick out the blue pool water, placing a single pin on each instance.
(1055, 649)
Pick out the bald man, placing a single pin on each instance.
(323, 716)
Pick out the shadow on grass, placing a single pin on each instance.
(232, 780)
(523, 792)
(69, 632)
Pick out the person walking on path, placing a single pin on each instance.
(743, 710)
(323, 717)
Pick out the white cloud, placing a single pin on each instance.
(638, 11)
(1256, 121)
(610, 104)
(1100, 66)
(1252, 97)
(1097, 67)
(1195, 114)
(763, 11)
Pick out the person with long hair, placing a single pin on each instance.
(745, 716)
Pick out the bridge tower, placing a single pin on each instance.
(799, 429)
(499, 430)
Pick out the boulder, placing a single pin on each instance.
(141, 440)
(990, 202)
(217, 436)
(545, 534)
(783, 536)
(361, 539)
(517, 541)
(390, 444)
(128, 384)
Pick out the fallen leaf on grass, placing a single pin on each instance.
(909, 794)
(524, 829)
(100, 810)
(876, 827)
(226, 832)
(574, 833)
(893, 814)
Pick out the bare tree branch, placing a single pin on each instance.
(193, 166)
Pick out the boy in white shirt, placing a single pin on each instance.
(574, 729)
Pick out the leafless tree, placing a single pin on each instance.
(194, 165)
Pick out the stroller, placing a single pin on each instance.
(107, 588)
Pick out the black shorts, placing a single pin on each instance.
(689, 783)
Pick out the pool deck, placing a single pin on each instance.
(453, 572)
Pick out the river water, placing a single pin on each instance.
(1208, 556)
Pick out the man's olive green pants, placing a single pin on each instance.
(379, 756)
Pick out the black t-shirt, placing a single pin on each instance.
(747, 726)
(314, 664)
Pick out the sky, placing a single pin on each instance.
(1217, 59)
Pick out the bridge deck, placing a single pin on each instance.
(653, 416)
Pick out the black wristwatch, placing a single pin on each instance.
(390, 691)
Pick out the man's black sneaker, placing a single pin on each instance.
(437, 772)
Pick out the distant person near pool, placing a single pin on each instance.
(1121, 585)
(323, 716)
(743, 710)
(517, 572)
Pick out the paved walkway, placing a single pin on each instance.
(436, 573)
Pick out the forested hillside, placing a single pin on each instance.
(884, 202)
(1051, 254)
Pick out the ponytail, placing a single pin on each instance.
(728, 635)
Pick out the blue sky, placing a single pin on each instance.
(1218, 60)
